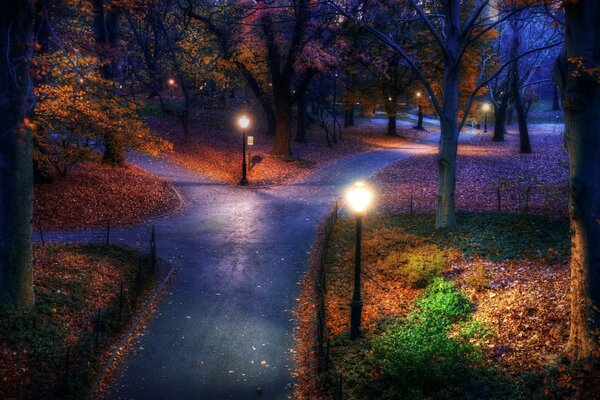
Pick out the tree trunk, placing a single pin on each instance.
(524, 143)
(581, 103)
(301, 119)
(420, 120)
(283, 125)
(106, 34)
(555, 99)
(509, 115)
(16, 170)
(446, 203)
(500, 119)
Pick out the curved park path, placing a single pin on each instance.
(225, 328)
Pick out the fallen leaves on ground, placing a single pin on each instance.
(536, 183)
(93, 194)
(216, 151)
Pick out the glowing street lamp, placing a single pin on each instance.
(420, 120)
(244, 123)
(486, 108)
(359, 198)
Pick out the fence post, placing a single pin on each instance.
(138, 275)
(527, 194)
(67, 369)
(121, 300)
(39, 225)
(411, 204)
(153, 249)
(327, 355)
(499, 199)
(108, 231)
(97, 334)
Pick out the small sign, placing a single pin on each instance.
(250, 140)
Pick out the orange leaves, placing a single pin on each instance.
(93, 194)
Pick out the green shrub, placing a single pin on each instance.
(416, 266)
(420, 352)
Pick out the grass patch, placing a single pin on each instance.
(492, 236)
(419, 354)
(55, 350)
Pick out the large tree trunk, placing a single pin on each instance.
(581, 103)
(283, 128)
(500, 119)
(16, 170)
(446, 203)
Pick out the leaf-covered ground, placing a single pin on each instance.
(92, 194)
(536, 182)
(51, 351)
(216, 150)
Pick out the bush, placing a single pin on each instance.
(417, 266)
(420, 353)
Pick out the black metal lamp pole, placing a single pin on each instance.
(485, 123)
(356, 304)
(244, 180)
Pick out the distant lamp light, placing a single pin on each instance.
(80, 80)
(171, 82)
(418, 94)
(244, 122)
(389, 99)
(486, 108)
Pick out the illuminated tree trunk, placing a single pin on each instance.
(581, 103)
(16, 170)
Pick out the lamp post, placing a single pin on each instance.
(359, 198)
(171, 84)
(486, 109)
(244, 122)
(420, 120)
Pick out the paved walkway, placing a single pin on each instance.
(225, 327)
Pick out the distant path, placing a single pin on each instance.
(225, 327)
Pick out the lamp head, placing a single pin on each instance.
(486, 107)
(244, 121)
(359, 197)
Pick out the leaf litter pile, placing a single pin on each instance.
(512, 266)
(216, 151)
(92, 194)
